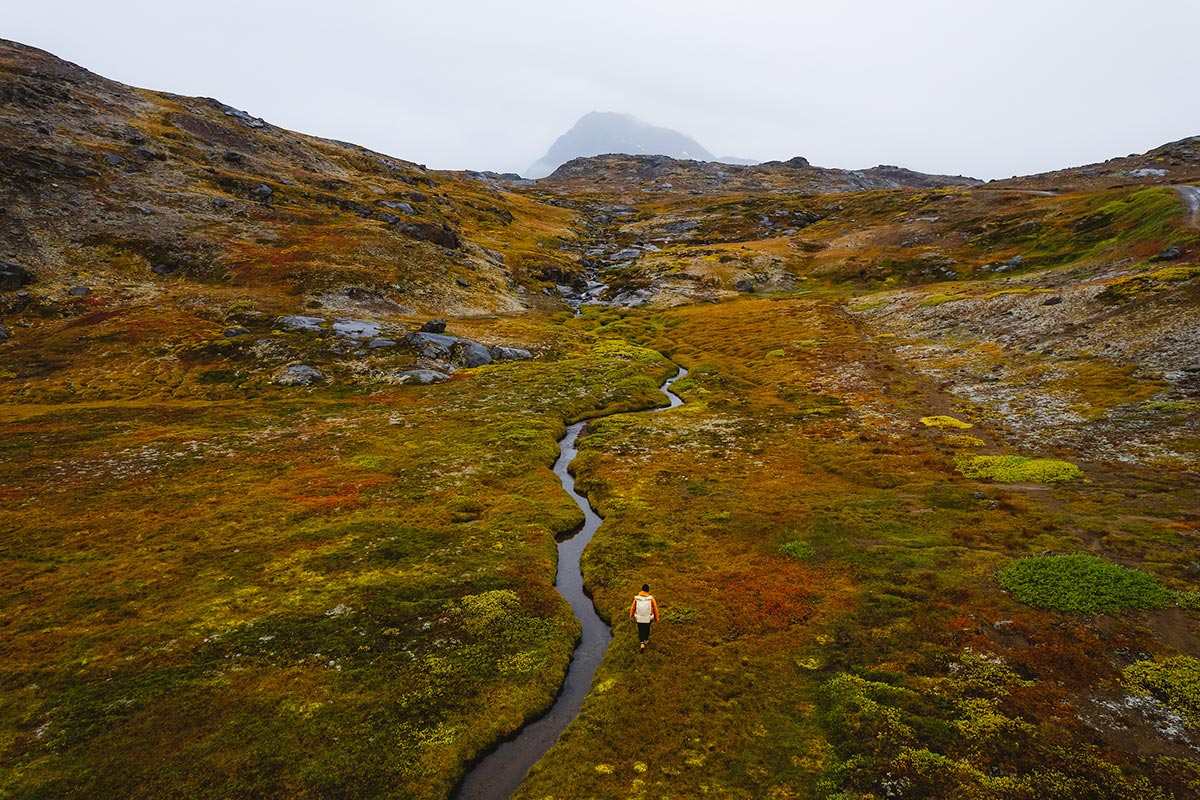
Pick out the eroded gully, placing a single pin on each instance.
(497, 775)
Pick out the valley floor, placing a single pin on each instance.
(323, 592)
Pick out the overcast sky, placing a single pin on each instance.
(978, 87)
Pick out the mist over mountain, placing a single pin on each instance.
(601, 132)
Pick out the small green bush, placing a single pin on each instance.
(1017, 469)
(797, 549)
(1082, 584)
(1174, 682)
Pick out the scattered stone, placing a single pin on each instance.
(150, 155)
(229, 333)
(463, 283)
(1015, 262)
(113, 159)
(1147, 173)
(163, 269)
(1170, 254)
(298, 323)
(430, 345)
(1001, 625)
(79, 291)
(499, 353)
(681, 226)
(241, 116)
(3, 334)
(262, 192)
(628, 253)
(232, 157)
(1052, 301)
(404, 208)
(443, 235)
(299, 375)
(437, 325)
(1193, 570)
(744, 286)
(1192, 368)
(422, 376)
(465, 353)
(380, 342)
(13, 276)
(220, 202)
(20, 302)
(355, 329)
(979, 495)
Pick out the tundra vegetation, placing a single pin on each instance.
(925, 527)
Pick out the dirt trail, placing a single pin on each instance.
(1191, 196)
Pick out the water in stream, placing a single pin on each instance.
(498, 775)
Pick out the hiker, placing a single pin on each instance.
(644, 610)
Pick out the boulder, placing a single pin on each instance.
(355, 329)
(79, 291)
(434, 326)
(403, 208)
(681, 226)
(463, 283)
(430, 345)
(380, 342)
(1170, 254)
(423, 376)
(13, 276)
(163, 269)
(3, 334)
(297, 323)
(1052, 301)
(262, 193)
(626, 254)
(465, 353)
(442, 235)
(499, 353)
(299, 375)
(229, 333)
(19, 302)
(744, 286)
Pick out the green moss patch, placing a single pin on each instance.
(1017, 469)
(1082, 584)
(1174, 682)
(942, 421)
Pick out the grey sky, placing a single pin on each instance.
(977, 87)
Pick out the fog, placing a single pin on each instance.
(982, 88)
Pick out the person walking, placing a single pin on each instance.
(644, 611)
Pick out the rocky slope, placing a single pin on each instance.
(126, 190)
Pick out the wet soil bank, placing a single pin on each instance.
(497, 775)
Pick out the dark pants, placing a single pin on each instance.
(643, 631)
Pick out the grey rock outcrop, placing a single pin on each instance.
(356, 329)
(298, 323)
(299, 375)
(434, 326)
(465, 353)
(423, 376)
(13, 276)
(499, 353)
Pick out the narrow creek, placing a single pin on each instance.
(497, 775)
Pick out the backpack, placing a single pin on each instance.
(644, 612)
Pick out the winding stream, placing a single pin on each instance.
(497, 775)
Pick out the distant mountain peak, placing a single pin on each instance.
(602, 132)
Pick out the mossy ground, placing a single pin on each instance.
(346, 589)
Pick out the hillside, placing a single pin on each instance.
(924, 526)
